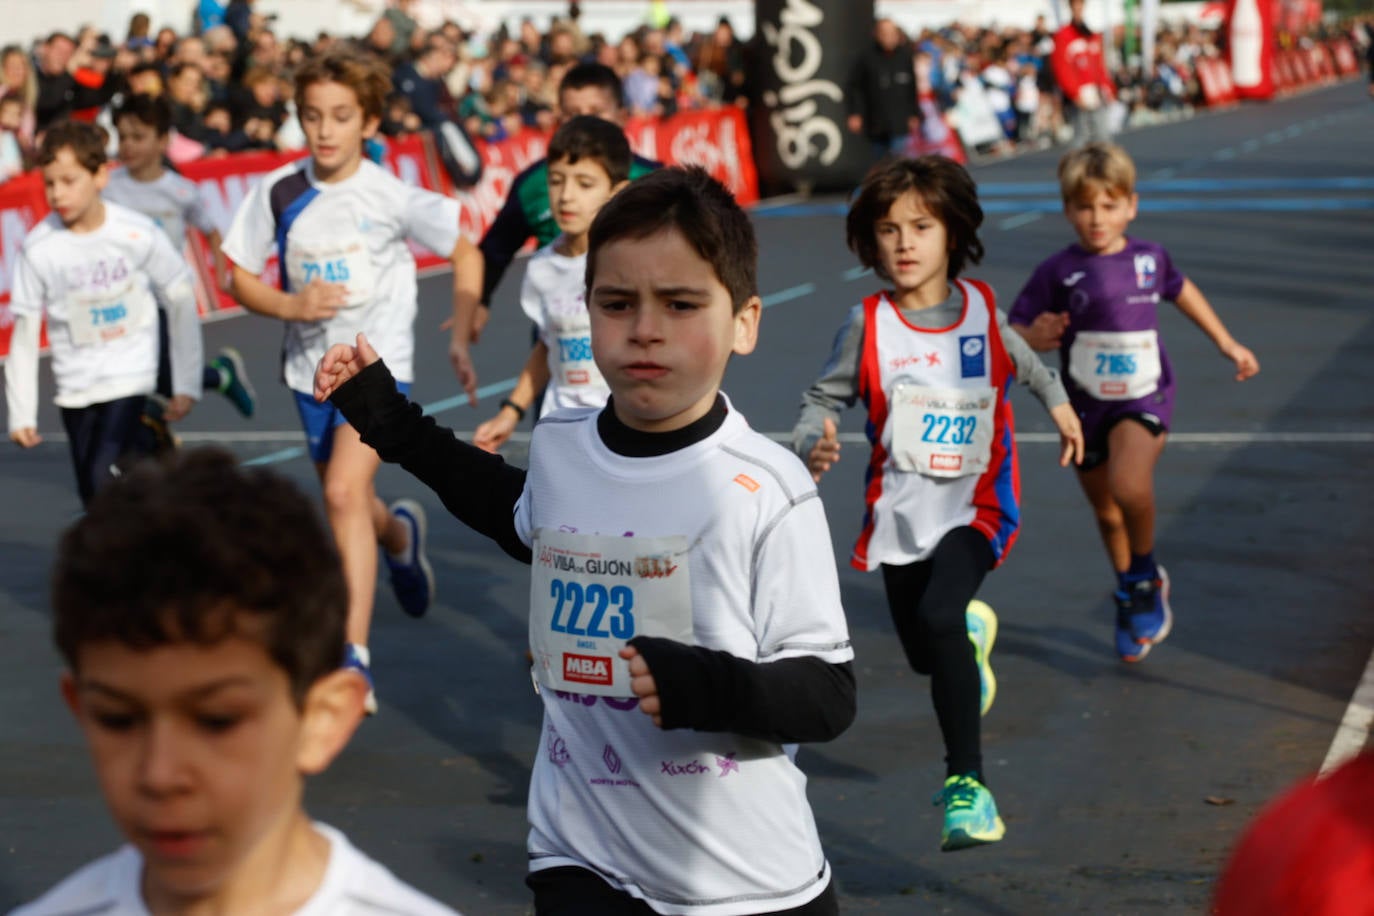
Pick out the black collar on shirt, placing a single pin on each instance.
(633, 443)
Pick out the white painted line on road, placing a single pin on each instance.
(1013, 222)
(1353, 734)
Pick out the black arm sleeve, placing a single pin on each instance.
(480, 489)
(789, 701)
(503, 239)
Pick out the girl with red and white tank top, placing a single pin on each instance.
(933, 362)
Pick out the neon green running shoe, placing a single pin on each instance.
(982, 632)
(970, 815)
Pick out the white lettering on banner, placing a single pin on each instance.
(694, 145)
(801, 130)
(223, 195)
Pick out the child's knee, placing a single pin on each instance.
(343, 496)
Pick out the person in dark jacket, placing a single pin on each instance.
(880, 98)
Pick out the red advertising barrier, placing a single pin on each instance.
(1347, 63)
(716, 140)
(1214, 76)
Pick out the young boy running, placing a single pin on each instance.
(204, 673)
(685, 616)
(589, 161)
(146, 184)
(932, 362)
(338, 224)
(1097, 302)
(98, 272)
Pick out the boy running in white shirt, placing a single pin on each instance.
(204, 674)
(685, 614)
(146, 184)
(338, 224)
(589, 161)
(98, 272)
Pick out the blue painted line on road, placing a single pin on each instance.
(285, 454)
(787, 295)
(1147, 204)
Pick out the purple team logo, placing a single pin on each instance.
(558, 749)
(611, 759)
(1146, 271)
(728, 764)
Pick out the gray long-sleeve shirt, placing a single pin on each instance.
(838, 384)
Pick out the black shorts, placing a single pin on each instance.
(1095, 449)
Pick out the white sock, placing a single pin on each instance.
(363, 653)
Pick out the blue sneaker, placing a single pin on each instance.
(353, 658)
(982, 632)
(970, 815)
(1143, 617)
(233, 381)
(412, 579)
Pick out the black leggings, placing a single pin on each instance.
(99, 436)
(572, 891)
(927, 601)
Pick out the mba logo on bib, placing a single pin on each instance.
(972, 356)
(587, 669)
(1146, 271)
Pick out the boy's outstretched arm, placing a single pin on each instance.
(788, 701)
(1194, 304)
(479, 489)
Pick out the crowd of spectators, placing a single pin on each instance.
(228, 75)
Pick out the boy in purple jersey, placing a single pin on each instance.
(1096, 302)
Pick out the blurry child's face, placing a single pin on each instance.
(663, 328)
(218, 119)
(72, 191)
(1100, 217)
(199, 751)
(147, 82)
(913, 248)
(335, 128)
(577, 190)
(139, 144)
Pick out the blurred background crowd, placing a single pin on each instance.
(228, 72)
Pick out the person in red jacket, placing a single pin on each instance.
(1082, 75)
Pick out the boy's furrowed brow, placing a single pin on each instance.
(202, 690)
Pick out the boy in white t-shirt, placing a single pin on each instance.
(203, 672)
(98, 272)
(685, 616)
(173, 202)
(339, 224)
(589, 161)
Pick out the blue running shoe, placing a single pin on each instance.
(233, 381)
(1143, 617)
(982, 632)
(970, 815)
(354, 657)
(412, 579)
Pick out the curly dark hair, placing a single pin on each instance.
(946, 190)
(194, 547)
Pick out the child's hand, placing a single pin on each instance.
(492, 434)
(1045, 332)
(1246, 364)
(642, 683)
(461, 360)
(25, 438)
(319, 301)
(1070, 434)
(340, 363)
(825, 453)
(178, 407)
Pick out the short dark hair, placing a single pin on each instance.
(195, 548)
(152, 110)
(86, 141)
(703, 210)
(589, 137)
(589, 74)
(363, 73)
(946, 190)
